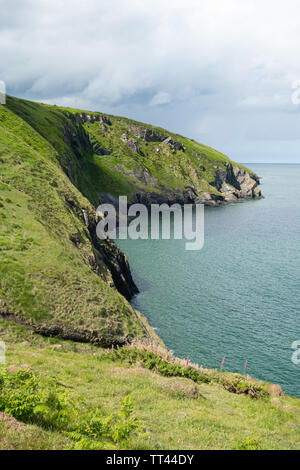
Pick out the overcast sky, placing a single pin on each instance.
(219, 71)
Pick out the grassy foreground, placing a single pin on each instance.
(102, 399)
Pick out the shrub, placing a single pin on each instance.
(19, 394)
(239, 385)
(153, 361)
(22, 397)
(117, 427)
(247, 444)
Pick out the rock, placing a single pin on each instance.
(275, 390)
(246, 182)
(148, 198)
(102, 151)
(130, 142)
(105, 120)
(230, 197)
(81, 118)
(257, 192)
(99, 150)
(85, 217)
(76, 239)
(209, 199)
(149, 135)
(173, 144)
(145, 176)
(114, 259)
(133, 145)
(220, 178)
(57, 346)
(145, 133)
(235, 182)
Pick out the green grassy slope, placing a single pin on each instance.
(52, 275)
(87, 385)
(56, 166)
(58, 280)
(118, 158)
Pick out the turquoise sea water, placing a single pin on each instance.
(240, 295)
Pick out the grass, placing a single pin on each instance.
(114, 173)
(45, 277)
(51, 180)
(56, 280)
(173, 412)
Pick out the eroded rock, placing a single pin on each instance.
(130, 142)
(235, 182)
(149, 135)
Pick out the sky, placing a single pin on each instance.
(226, 73)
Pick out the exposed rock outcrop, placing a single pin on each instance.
(104, 252)
(98, 148)
(235, 182)
(114, 259)
(173, 144)
(232, 182)
(130, 142)
(149, 135)
(145, 133)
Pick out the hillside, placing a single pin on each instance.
(57, 164)
(56, 277)
(109, 155)
(64, 295)
(58, 394)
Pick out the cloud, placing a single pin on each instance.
(211, 70)
(162, 97)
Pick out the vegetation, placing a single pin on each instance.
(50, 273)
(97, 155)
(56, 163)
(77, 398)
(171, 367)
(23, 397)
(56, 280)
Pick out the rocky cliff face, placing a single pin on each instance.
(232, 182)
(57, 165)
(235, 183)
(115, 260)
(107, 251)
(57, 278)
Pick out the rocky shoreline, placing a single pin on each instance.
(234, 184)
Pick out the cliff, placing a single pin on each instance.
(57, 278)
(57, 165)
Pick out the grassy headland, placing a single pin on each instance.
(64, 307)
